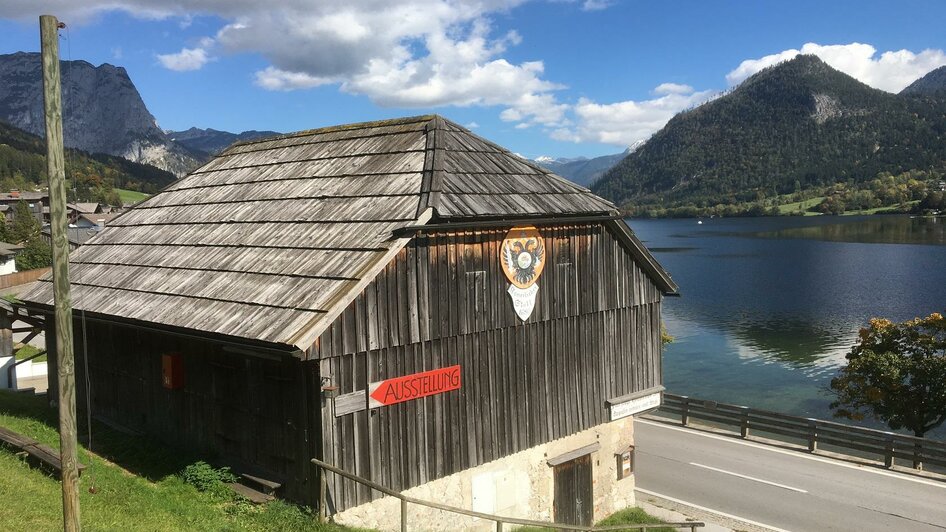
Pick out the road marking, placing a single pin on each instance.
(747, 477)
(712, 511)
(866, 469)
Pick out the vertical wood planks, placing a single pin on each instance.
(442, 301)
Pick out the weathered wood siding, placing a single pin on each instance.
(594, 335)
(240, 410)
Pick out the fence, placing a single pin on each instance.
(499, 520)
(18, 278)
(887, 445)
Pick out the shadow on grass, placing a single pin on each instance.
(138, 454)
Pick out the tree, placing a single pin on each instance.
(896, 373)
(24, 224)
(36, 254)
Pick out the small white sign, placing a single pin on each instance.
(635, 406)
(523, 300)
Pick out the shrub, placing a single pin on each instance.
(205, 477)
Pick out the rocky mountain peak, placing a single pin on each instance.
(102, 111)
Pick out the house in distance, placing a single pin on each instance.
(402, 299)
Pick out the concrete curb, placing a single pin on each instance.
(677, 511)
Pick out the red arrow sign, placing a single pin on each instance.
(414, 386)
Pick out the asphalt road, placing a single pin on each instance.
(781, 489)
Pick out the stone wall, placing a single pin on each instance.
(519, 485)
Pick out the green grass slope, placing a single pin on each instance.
(136, 481)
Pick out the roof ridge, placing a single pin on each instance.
(340, 127)
(545, 171)
(527, 162)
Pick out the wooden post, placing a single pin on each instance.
(744, 424)
(403, 515)
(685, 407)
(56, 170)
(812, 435)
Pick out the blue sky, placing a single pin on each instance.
(544, 77)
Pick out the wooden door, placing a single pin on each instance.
(574, 497)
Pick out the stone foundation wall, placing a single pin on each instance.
(519, 485)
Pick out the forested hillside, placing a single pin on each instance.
(92, 177)
(793, 129)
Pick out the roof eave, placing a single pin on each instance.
(644, 258)
(249, 346)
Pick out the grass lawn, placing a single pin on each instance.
(879, 210)
(143, 493)
(131, 196)
(27, 351)
(790, 208)
(627, 516)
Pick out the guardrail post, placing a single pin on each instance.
(499, 526)
(403, 515)
(917, 456)
(812, 435)
(685, 408)
(744, 426)
(888, 452)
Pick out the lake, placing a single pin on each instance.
(770, 306)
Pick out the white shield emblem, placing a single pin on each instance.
(523, 300)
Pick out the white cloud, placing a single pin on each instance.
(672, 88)
(595, 5)
(398, 53)
(625, 123)
(274, 79)
(186, 59)
(471, 125)
(890, 71)
(588, 5)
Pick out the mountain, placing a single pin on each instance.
(102, 111)
(581, 170)
(212, 141)
(792, 127)
(933, 83)
(92, 177)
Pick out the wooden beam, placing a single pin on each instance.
(56, 170)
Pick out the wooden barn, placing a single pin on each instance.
(402, 299)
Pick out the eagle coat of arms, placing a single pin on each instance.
(523, 259)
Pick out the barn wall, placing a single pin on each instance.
(594, 335)
(239, 410)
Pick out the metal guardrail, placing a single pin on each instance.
(500, 520)
(887, 445)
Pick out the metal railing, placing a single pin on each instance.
(499, 520)
(887, 445)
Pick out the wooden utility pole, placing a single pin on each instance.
(56, 169)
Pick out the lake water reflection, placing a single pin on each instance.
(770, 306)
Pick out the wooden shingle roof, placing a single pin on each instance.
(271, 239)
